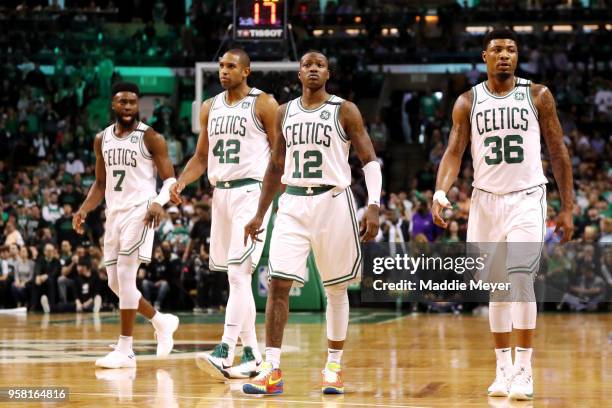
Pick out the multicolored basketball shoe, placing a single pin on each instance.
(332, 379)
(269, 381)
(248, 367)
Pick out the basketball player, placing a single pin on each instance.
(128, 154)
(317, 211)
(237, 130)
(503, 118)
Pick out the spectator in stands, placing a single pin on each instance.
(63, 227)
(46, 272)
(586, 291)
(66, 282)
(74, 165)
(70, 195)
(86, 297)
(200, 229)
(422, 222)
(12, 235)
(606, 265)
(395, 228)
(154, 276)
(52, 211)
(5, 275)
(22, 283)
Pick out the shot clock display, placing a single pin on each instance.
(259, 19)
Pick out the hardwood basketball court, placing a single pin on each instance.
(391, 360)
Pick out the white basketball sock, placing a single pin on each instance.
(504, 357)
(522, 357)
(334, 356)
(248, 335)
(273, 355)
(124, 344)
(240, 296)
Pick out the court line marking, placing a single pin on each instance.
(256, 400)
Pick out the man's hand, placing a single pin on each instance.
(368, 228)
(253, 229)
(438, 205)
(175, 192)
(154, 215)
(565, 223)
(78, 219)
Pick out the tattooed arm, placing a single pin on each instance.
(559, 157)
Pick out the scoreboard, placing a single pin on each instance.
(260, 20)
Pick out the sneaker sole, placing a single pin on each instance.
(497, 394)
(519, 396)
(332, 390)
(211, 369)
(250, 389)
(111, 367)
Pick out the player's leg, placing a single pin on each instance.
(329, 240)
(525, 243)
(484, 231)
(289, 247)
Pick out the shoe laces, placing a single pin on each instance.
(523, 376)
(220, 351)
(502, 375)
(330, 373)
(247, 355)
(266, 370)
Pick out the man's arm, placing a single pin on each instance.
(96, 191)
(266, 108)
(451, 161)
(352, 123)
(272, 178)
(559, 157)
(196, 166)
(156, 145)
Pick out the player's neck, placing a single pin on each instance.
(499, 86)
(313, 98)
(238, 93)
(121, 130)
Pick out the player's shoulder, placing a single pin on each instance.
(150, 135)
(264, 99)
(539, 92)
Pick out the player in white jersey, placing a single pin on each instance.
(129, 154)
(317, 211)
(503, 118)
(237, 130)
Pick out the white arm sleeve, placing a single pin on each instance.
(373, 180)
(164, 194)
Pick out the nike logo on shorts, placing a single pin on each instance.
(531, 192)
(336, 195)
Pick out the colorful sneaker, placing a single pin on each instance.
(501, 385)
(521, 388)
(215, 363)
(248, 367)
(332, 379)
(268, 381)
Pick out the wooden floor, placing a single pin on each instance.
(390, 361)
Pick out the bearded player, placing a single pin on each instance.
(129, 155)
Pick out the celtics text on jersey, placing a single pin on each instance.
(505, 137)
(238, 145)
(317, 146)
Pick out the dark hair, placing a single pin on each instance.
(125, 87)
(499, 33)
(313, 51)
(242, 55)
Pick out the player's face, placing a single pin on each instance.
(231, 72)
(314, 70)
(501, 57)
(125, 106)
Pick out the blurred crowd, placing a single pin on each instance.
(46, 133)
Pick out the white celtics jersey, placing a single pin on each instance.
(505, 136)
(317, 147)
(131, 176)
(238, 146)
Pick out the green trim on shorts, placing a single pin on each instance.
(357, 263)
(111, 262)
(214, 267)
(223, 185)
(243, 257)
(281, 275)
(138, 244)
(307, 191)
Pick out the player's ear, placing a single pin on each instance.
(247, 71)
(484, 56)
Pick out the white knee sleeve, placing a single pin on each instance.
(500, 317)
(127, 269)
(337, 313)
(113, 281)
(239, 302)
(524, 315)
